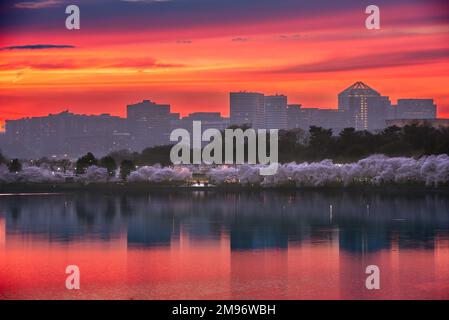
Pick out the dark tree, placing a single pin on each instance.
(121, 155)
(64, 164)
(126, 167)
(108, 162)
(155, 155)
(320, 142)
(84, 162)
(3, 160)
(14, 165)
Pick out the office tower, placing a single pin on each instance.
(415, 109)
(366, 108)
(247, 108)
(149, 124)
(293, 116)
(276, 112)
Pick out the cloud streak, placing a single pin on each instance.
(37, 4)
(369, 61)
(39, 47)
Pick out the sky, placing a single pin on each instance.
(192, 53)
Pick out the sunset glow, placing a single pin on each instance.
(192, 53)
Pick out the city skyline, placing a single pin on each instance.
(149, 124)
(215, 155)
(295, 48)
(225, 113)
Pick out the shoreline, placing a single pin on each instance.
(25, 188)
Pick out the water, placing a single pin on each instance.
(225, 245)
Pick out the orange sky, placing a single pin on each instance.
(309, 57)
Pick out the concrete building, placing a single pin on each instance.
(63, 134)
(326, 118)
(209, 120)
(414, 109)
(149, 124)
(365, 107)
(276, 112)
(304, 118)
(247, 108)
(293, 116)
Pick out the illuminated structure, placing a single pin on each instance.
(365, 107)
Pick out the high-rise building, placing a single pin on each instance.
(415, 109)
(149, 124)
(247, 108)
(366, 108)
(276, 112)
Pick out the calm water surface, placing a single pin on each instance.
(225, 245)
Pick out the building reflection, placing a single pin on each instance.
(252, 220)
(228, 245)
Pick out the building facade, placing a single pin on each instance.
(414, 109)
(149, 124)
(247, 108)
(365, 107)
(276, 112)
(293, 116)
(209, 120)
(62, 135)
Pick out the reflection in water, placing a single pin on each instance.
(268, 244)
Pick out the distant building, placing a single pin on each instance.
(64, 134)
(414, 109)
(436, 123)
(293, 116)
(325, 118)
(174, 120)
(149, 124)
(247, 108)
(304, 118)
(365, 107)
(209, 120)
(276, 112)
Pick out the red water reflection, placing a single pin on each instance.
(32, 268)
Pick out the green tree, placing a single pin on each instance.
(14, 165)
(108, 162)
(126, 167)
(84, 162)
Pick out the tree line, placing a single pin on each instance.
(294, 145)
